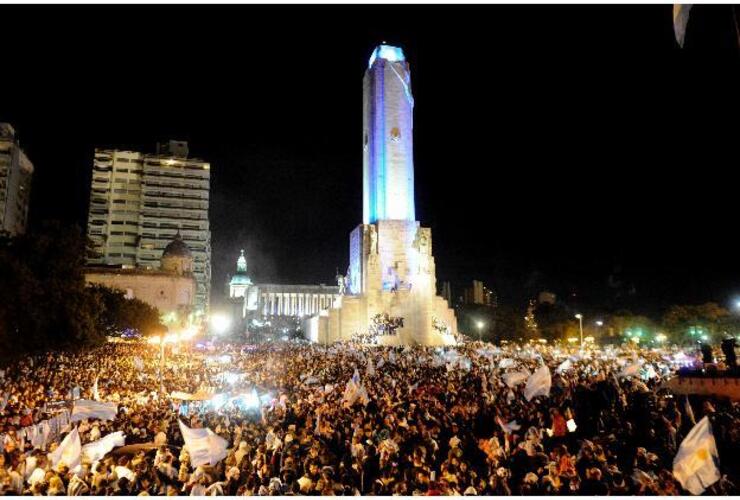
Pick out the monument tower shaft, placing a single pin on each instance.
(391, 275)
(388, 163)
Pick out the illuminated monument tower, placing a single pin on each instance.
(391, 267)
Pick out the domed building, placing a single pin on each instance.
(171, 288)
(278, 304)
(240, 282)
(176, 257)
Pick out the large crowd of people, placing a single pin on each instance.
(427, 421)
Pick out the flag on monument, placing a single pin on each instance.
(204, 446)
(68, 452)
(696, 465)
(680, 20)
(92, 452)
(538, 384)
(84, 408)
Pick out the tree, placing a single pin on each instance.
(44, 303)
(508, 324)
(554, 321)
(119, 314)
(705, 322)
(530, 322)
(624, 324)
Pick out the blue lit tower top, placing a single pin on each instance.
(388, 163)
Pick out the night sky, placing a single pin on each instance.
(555, 147)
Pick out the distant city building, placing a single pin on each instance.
(140, 201)
(479, 294)
(240, 282)
(16, 172)
(546, 297)
(172, 288)
(262, 302)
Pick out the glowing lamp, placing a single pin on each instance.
(220, 323)
(252, 400)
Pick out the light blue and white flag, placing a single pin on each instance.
(84, 408)
(696, 465)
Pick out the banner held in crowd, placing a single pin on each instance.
(203, 445)
(84, 408)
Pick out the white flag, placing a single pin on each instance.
(696, 465)
(353, 392)
(84, 408)
(68, 452)
(513, 379)
(680, 20)
(506, 363)
(564, 366)
(538, 384)
(122, 471)
(631, 370)
(92, 452)
(204, 446)
(510, 427)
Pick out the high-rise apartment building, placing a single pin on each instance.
(16, 172)
(139, 202)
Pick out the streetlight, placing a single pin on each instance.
(580, 324)
(480, 326)
(599, 323)
(220, 323)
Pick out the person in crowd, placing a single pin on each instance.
(352, 419)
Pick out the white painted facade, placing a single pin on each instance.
(140, 201)
(392, 270)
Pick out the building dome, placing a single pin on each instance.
(176, 248)
(176, 257)
(240, 281)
